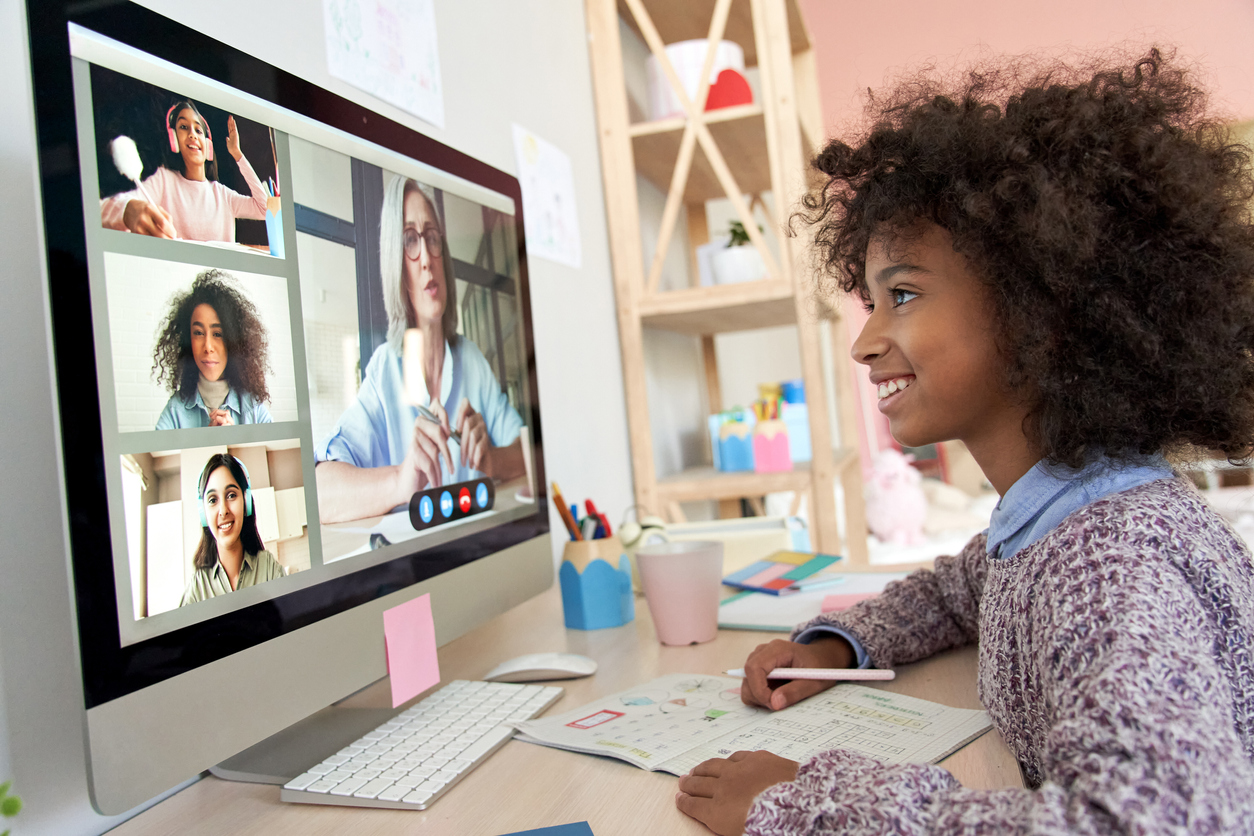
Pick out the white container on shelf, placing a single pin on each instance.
(737, 264)
(687, 57)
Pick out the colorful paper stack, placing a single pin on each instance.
(779, 571)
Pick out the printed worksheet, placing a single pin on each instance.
(675, 722)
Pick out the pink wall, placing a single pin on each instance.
(863, 43)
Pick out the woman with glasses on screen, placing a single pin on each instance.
(382, 450)
(211, 354)
(183, 198)
(230, 555)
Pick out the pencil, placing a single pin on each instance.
(860, 674)
(565, 512)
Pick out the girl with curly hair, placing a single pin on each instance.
(1058, 269)
(211, 354)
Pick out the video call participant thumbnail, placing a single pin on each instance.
(381, 452)
(211, 354)
(183, 198)
(230, 555)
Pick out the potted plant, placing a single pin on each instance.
(10, 805)
(740, 261)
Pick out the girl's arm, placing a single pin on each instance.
(113, 208)
(253, 207)
(921, 615)
(1138, 731)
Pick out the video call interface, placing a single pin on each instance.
(307, 352)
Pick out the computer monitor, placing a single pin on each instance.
(296, 384)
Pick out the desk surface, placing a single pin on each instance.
(525, 786)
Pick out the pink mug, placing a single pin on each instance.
(681, 584)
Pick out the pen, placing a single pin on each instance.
(860, 674)
(589, 528)
(564, 512)
(817, 582)
(430, 416)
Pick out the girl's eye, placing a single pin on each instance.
(901, 297)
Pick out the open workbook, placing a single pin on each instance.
(677, 721)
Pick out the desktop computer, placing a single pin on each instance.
(296, 384)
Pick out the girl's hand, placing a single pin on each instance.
(146, 218)
(476, 443)
(719, 792)
(232, 139)
(421, 467)
(826, 652)
(221, 418)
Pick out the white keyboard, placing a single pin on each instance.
(414, 758)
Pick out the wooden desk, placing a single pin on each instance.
(525, 786)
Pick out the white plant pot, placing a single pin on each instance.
(738, 264)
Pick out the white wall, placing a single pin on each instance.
(529, 66)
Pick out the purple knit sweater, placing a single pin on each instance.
(1116, 659)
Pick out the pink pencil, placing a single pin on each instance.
(858, 674)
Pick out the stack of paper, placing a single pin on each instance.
(781, 613)
(677, 721)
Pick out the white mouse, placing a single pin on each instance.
(537, 666)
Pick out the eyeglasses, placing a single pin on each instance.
(412, 238)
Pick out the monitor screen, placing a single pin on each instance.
(294, 362)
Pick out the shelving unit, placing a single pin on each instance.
(730, 153)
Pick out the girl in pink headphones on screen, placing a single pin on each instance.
(183, 198)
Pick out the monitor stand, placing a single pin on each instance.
(281, 757)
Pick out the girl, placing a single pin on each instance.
(211, 353)
(188, 201)
(230, 555)
(1058, 272)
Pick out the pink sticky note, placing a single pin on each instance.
(832, 603)
(409, 635)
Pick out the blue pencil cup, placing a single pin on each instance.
(274, 226)
(596, 593)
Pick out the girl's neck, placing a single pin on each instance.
(194, 172)
(433, 358)
(1002, 449)
(232, 560)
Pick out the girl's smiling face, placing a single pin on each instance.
(931, 347)
(224, 507)
(208, 344)
(190, 132)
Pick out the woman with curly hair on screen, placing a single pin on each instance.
(1058, 266)
(211, 354)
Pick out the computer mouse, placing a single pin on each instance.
(537, 666)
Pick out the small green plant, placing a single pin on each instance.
(739, 235)
(10, 805)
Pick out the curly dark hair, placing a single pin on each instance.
(244, 335)
(1108, 214)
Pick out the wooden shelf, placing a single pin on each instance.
(739, 132)
(685, 20)
(716, 310)
(700, 483)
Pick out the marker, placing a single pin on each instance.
(825, 674)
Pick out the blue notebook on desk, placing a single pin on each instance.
(777, 572)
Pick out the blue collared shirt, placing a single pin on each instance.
(1034, 506)
(375, 431)
(191, 414)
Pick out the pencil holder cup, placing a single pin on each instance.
(595, 577)
(274, 225)
(735, 446)
(770, 447)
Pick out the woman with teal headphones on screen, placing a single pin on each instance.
(231, 555)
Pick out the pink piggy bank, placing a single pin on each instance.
(895, 504)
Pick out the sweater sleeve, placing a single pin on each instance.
(112, 208)
(920, 615)
(1139, 732)
(243, 206)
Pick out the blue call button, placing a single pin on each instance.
(426, 509)
(481, 495)
(446, 504)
